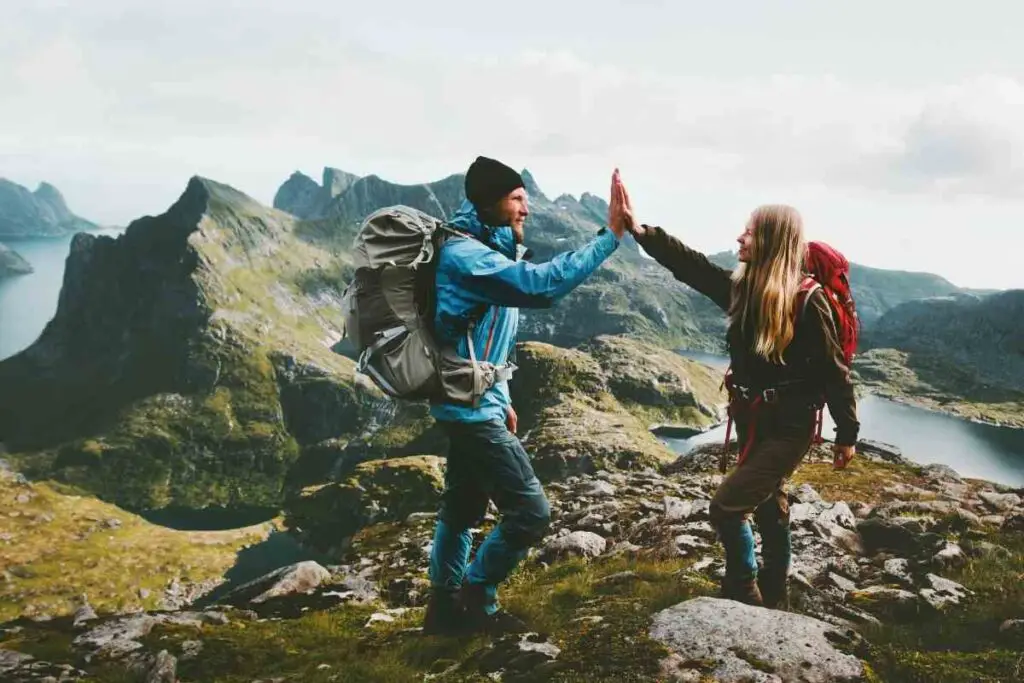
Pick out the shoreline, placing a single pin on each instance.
(934, 407)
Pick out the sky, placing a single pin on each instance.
(896, 128)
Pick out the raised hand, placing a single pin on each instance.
(620, 209)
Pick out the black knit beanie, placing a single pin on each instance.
(488, 180)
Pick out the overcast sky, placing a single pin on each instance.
(897, 128)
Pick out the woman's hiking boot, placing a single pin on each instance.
(774, 589)
(744, 590)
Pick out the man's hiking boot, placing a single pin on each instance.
(444, 615)
(774, 590)
(477, 620)
(745, 591)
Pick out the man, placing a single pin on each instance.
(481, 284)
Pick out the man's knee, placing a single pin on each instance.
(528, 524)
(462, 512)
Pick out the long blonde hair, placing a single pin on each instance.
(764, 289)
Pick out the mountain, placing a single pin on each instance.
(188, 363)
(876, 290)
(962, 353)
(302, 196)
(11, 263)
(42, 213)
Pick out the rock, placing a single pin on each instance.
(900, 536)
(578, 543)
(838, 514)
(942, 592)
(1014, 523)
(676, 509)
(842, 583)
(144, 593)
(597, 489)
(301, 578)
(11, 660)
(802, 513)
(84, 614)
(880, 450)
(898, 569)
(1000, 502)
(688, 544)
(805, 493)
(985, 548)
(122, 631)
(164, 669)
(941, 473)
(950, 557)
(743, 643)
(885, 598)
(327, 516)
(190, 649)
(178, 595)
(679, 669)
(1011, 630)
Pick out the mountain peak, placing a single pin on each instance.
(532, 188)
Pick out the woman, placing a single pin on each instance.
(785, 357)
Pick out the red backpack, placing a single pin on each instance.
(828, 270)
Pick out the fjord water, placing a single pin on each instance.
(28, 302)
(973, 450)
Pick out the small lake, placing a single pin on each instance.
(924, 436)
(28, 302)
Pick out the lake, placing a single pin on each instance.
(28, 302)
(924, 436)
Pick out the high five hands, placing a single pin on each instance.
(620, 210)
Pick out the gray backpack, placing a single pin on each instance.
(389, 309)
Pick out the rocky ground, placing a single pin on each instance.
(901, 573)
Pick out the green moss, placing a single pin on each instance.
(72, 545)
(862, 480)
(965, 644)
(328, 515)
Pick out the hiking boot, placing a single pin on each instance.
(745, 591)
(444, 615)
(774, 590)
(477, 620)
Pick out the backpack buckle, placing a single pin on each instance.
(770, 394)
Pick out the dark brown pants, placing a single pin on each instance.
(783, 438)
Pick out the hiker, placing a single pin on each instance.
(481, 284)
(786, 360)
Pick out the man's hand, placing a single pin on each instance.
(841, 456)
(512, 420)
(620, 209)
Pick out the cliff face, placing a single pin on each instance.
(188, 362)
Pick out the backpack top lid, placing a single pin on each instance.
(395, 236)
(828, 267)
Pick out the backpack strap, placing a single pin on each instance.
(807, 288)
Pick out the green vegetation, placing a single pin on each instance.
(58, 545)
